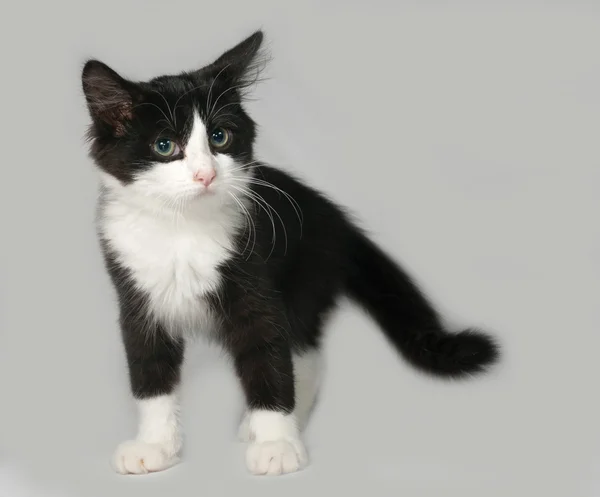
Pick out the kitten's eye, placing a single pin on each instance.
(165, 147)
(220, 137)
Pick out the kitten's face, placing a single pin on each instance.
(175, 138)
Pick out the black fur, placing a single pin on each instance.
(275, 297)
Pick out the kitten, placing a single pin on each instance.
(199, 236)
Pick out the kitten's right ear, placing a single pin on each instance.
(110, 98)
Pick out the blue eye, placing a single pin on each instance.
(165, 147)
(219, 137)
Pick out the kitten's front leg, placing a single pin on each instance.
(154, 360)
(264, 366)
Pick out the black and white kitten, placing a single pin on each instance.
(199, 237)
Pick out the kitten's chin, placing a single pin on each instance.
(199, 192)
(199, 196)
(209, 191)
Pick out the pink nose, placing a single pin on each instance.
(205, 177)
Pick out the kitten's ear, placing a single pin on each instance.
(242, 63)
(109, 97)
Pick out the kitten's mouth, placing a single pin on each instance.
(202, 191)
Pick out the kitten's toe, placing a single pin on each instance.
(137, 458)
(276, 458)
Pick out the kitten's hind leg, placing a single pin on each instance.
(308, 368)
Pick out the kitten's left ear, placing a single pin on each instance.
(242, 63)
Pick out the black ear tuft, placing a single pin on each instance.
(109, 96)
(243, 53)
(242, 64)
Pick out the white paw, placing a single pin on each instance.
(137, 458)
(277, 457)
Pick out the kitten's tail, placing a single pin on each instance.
(408, 319)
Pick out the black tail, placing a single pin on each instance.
(408, 319)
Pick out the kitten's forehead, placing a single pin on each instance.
(186, 94)
(179, 84)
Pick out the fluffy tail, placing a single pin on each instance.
(408, 319)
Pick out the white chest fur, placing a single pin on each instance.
(172, 257)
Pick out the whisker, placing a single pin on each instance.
(162, 111)
(168, 107)
(222, 107)
(186, 93)
(291, 199)
(255, 196)
(223, 93)
(211, 87)
(261, 203)
(251, 225)
(228, 114)
(295, 205)
(243, 166)
(274, 236)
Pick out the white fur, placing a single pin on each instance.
(276, 447)
(172, 232)
(158, 441)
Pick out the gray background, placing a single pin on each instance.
(465, 138)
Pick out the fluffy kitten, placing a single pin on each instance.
(198, 236)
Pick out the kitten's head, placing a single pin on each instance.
(175, 138)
